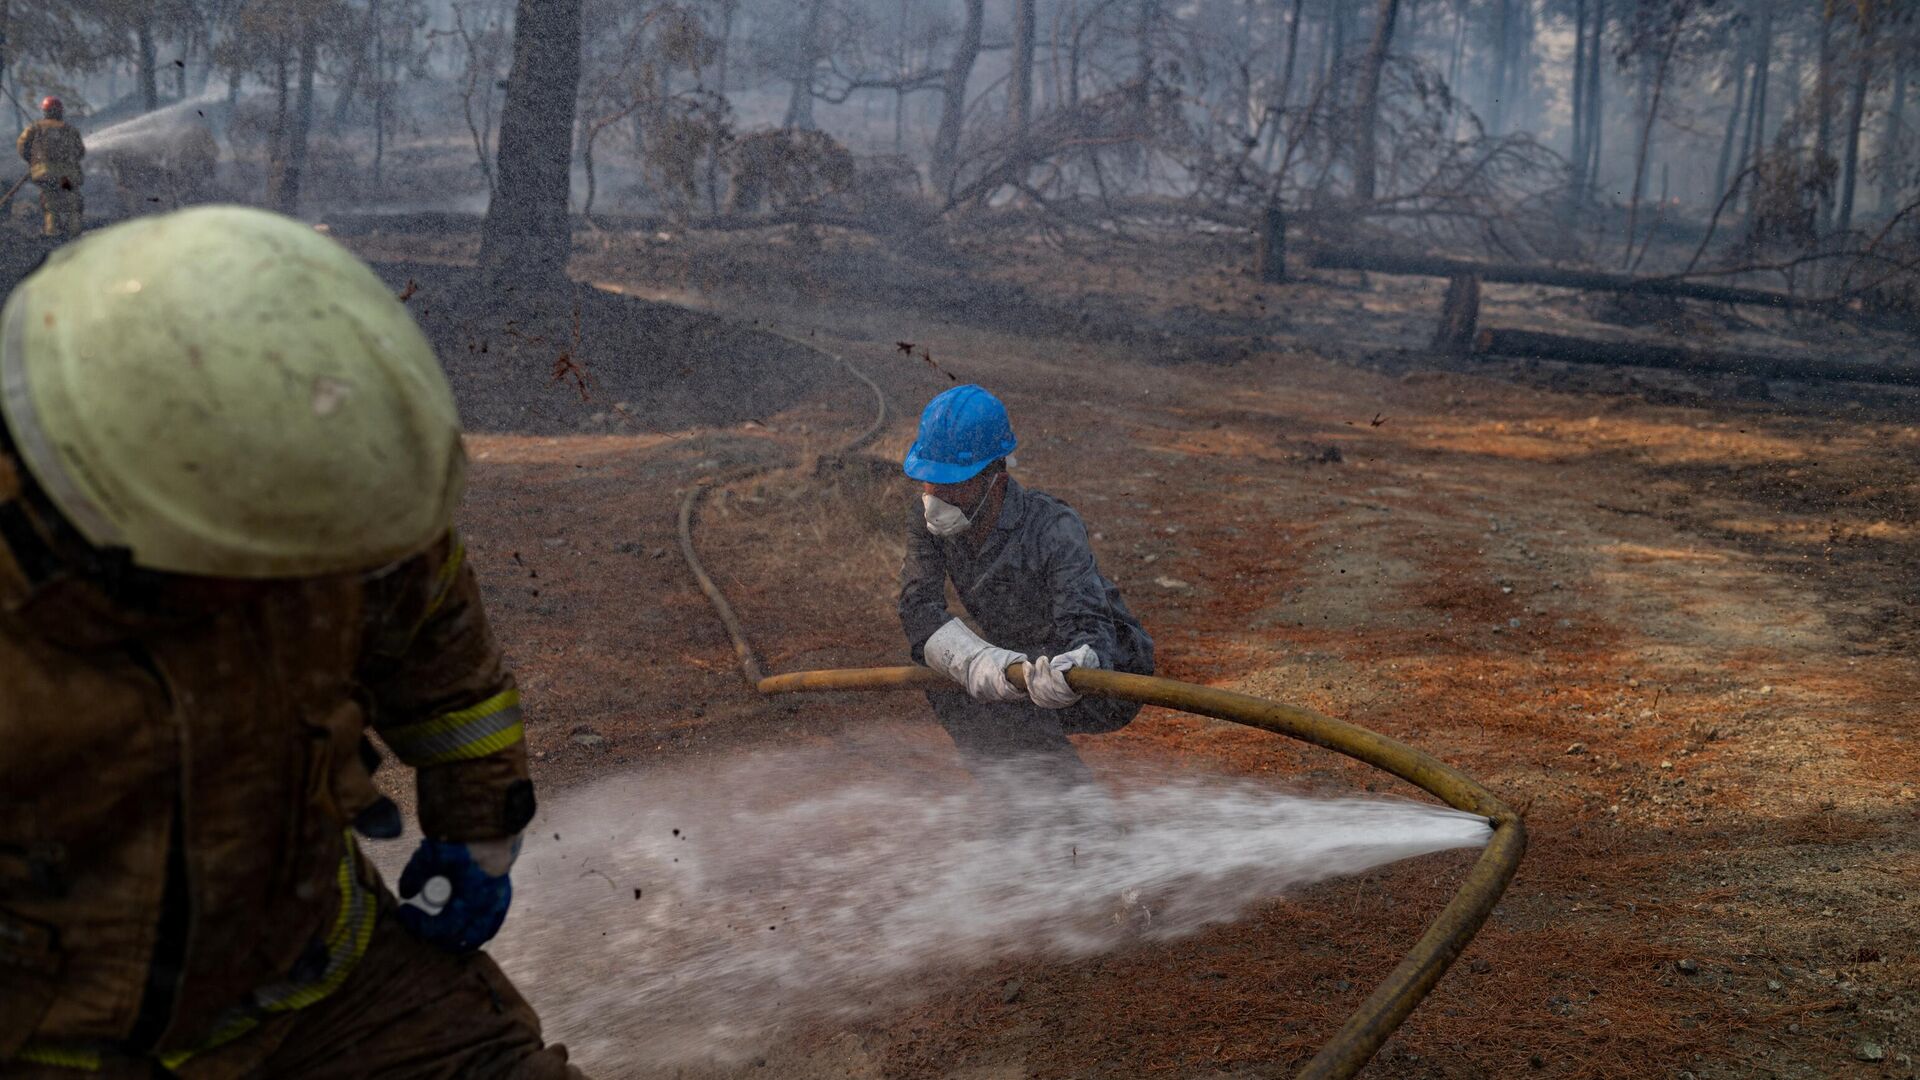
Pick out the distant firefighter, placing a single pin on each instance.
(52, 151)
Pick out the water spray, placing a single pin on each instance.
(698, 916)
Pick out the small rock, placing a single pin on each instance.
(1577, 748)
(1557, 585)
(1479, 966)
(1010, 993)
(1666, 764)
(1869, 1051)
(1687, 967)
(1766, 690)
(1773, 985)
(589, 739)
(1171, 583)
(1343, 986)
(659, 553)
(1513, 624)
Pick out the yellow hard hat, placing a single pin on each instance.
(224, 392)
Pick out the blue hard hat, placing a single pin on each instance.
(961, 432)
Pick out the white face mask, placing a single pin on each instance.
(944, 518)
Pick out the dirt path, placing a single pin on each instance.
(1700, 692)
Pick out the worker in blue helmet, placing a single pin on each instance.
(1023, 568)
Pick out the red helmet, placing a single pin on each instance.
(52, 106)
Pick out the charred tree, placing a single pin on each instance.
(1020, 90)
(526, 233)
(1657, 67)
(283, 183)
(1533, 345)
(1856, 111)
(1577, 147)
(1736, 116)
(1459, 317)
(1890, 140)
(1596, 92)
(1499, 77)
(953, 109)
(282, 114)
(148, 60)
(1753, 142)
(1293, 53)
(1823, 106)
(1365, 149)
(806, 59)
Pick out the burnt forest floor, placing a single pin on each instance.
(1672, 620)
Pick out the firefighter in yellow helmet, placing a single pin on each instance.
(52, 150)
(227, 470)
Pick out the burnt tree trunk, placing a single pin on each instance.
(800, 97)
(1655, 89)
(1890, 140)
(1459, 316)
(283, 187)
(1020, 90)
(1499, 77)
(1272, 252)
(1366, 149)
(1856, 110)
(343, 101)
(1734, 118)
(1530, 344)
(953, 109)
(1577, 149)
(1596, 92)
(1823, 106)
(282, 117)
(148, 60)
(1754, 142)
(526, 232)
(1293, 52)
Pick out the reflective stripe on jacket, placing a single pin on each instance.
(178, 777)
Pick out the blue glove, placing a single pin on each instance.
(449, 898)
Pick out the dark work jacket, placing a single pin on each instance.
(1032, 587)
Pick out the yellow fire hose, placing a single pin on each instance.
(1390, 1003)
(1384, 1010)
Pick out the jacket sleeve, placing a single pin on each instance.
(1077, 593)
(443, 700)
(923, 589)
(24, 144)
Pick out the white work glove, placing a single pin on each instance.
(957, 652)
(1047, 679)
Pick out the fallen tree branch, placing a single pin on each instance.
(1383, 262)
(1532, 345)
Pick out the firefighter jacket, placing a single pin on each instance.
(1033, 587)
(178, 777)
(52, 150)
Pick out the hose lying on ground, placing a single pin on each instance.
(749, 663)
(1349, 1050)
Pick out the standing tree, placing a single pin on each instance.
(289, 165)
(1020, 91)
(1365, 152)
(526, 234)
(1866, 20)
(953, 110)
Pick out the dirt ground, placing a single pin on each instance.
(1672, 620)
